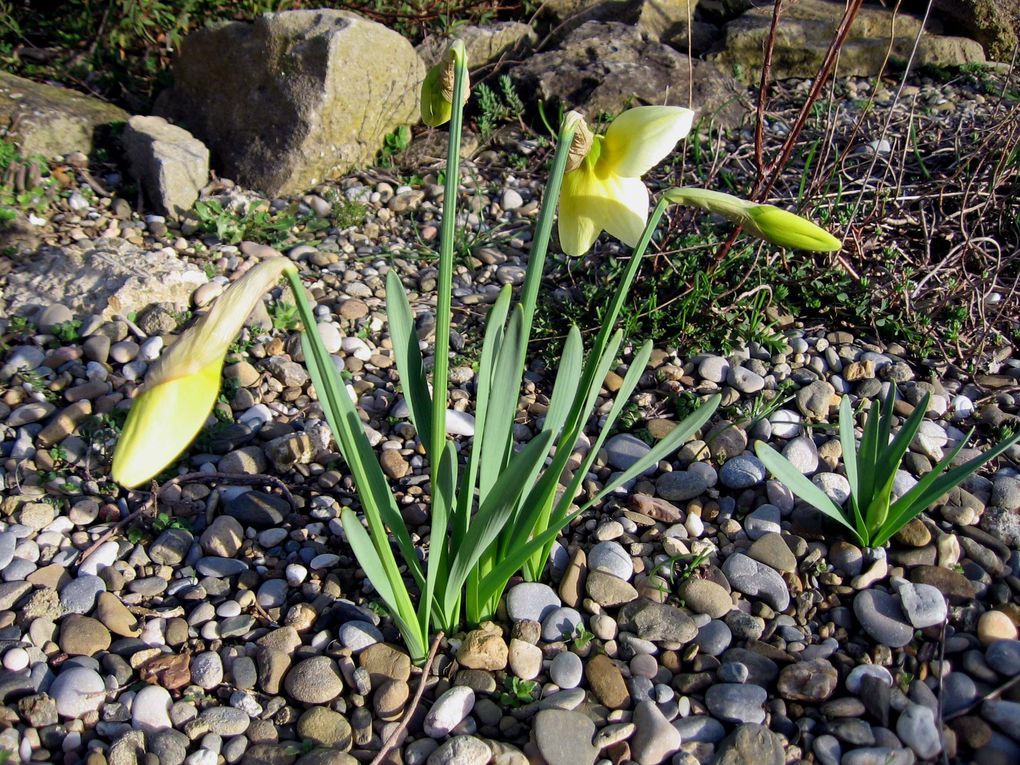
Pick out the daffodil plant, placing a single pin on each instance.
(499, 510)
(874, 516)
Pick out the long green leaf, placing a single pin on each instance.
(935, 485)
(393, 593)
(494, 330)
(849, 444)
(377, 500)
(409, 360)
(492, 514)
(867, 456)
(444, 286)
(800, 485)
(540, 501)
(568, 377)
(437, 567)
(497, 439)
(889, 459)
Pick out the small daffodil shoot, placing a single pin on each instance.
(180, 388)
(602, 189)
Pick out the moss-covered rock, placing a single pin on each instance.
(50, 120)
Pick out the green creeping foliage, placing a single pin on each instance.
(506, 106)
(873, 516)
(257, 223)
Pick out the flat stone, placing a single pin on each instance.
(608, 590)
(611, 558)
(461, 750)
(734, 702)
(315, 680)
(606, 681)
(751, 744)
(654, 739)
(448, 711)
(882, 618)
(771, 549)
(703, 596)
(564, 737)
(532, 601)
(78, 691)
(813, 680)
(755, 579)
(658, 622)
(680, 485)
(923, 605)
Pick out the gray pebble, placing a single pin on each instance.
(733, 702)
(742, 472)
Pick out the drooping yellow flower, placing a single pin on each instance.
(437, 89)
(180, 388)
(602, 188)
(773, 224)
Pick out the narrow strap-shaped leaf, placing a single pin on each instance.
(936, 484)
(673, 441)
(409, 360)
(537, 500)
(377, 500)
(492, 514)
(867, 455)
(437, 566)
(496, 580)
(849, 444)
(889, 459)
(393, 594)
(568, 376)
(494, 330)
(800, 485)
(497, 438)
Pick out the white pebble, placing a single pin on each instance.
(296, 574)
(16, 659)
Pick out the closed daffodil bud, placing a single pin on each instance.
(773, 224)
(180, 388)
(602, 188)
(437, 89)
(785, 229)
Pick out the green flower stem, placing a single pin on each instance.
(543, 230)
(533, 569)
(444, 289)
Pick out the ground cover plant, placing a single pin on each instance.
(500, 512)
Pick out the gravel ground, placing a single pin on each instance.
(702, 615)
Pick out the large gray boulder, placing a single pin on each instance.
(806, 27)
(484, 44)
(607, 67)
(53, 121)
(170, 163)
(294, 98)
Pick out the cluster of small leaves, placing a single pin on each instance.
(495, 109)
(517, 692)
(256, 223)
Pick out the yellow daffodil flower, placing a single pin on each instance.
(767, 222)
(602, 188)
(437, 89)
(180, 388)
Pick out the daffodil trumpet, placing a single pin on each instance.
(181, 386)
(602, 189)
(773, 224)
(437, 91)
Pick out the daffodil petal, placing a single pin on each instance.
(642, 137)
(211, 336)
(162, 421)
(624, 209)
(576, 225)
